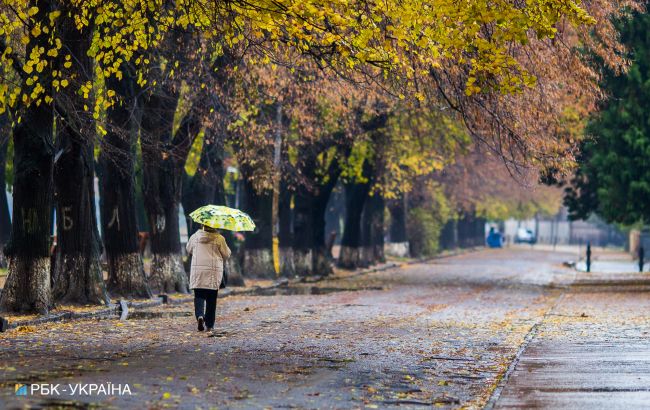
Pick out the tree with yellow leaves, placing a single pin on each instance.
(398, 44)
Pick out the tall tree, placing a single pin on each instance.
(77, 274)
(126, 275)
(613, 179)
(373, 230)
(319, 170)
(28, 282)
(257, 258)
(397, 233)
(164, 153)
(432, 50)
(356, 194)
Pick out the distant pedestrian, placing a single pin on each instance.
(494, 238)
(588, 257)
(209, 252)
(641, 257)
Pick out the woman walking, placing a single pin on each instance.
(209, 252)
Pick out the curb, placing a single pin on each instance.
(111, 311)
(115, 310)
(530, 336)
(392, 265)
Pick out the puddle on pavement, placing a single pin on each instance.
(309, 290)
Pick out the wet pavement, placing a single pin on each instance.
(501, 328)
(591, 351)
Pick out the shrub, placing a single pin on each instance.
(425, 224)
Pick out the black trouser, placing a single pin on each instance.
(205, 304)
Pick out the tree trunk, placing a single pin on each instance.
(355, 197)
(397, 209)
(163, 158)
(126, 275)
(366, 251)
(5, 218)
(285, 236)
(377, 205)
(258, 259)
(28, 282)
(321, 253)
(398, 245)
(77, 273)
(372, 231)
(303, 229)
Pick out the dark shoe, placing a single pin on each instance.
(201, 324)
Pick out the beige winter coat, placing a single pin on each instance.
(209, 251)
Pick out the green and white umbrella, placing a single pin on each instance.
(222, 217)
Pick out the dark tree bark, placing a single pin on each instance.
(5, 218)
(310, 252)
(77, 274)
(372, 232)
(163, 157)
(303, 226)
(28, 282)
(126, 275)
(366, 253)
(303, 218)
(352, 254)
(398, 245)
(397, 209)
(321, 252)
(355, 198)
(449, 235)
(285, 234)
(258, 259)
(377, 207)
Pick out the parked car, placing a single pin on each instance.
(525, 236)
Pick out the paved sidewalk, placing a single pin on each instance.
(591, 351)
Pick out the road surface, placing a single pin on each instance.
(496, 329)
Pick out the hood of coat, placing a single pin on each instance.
(207, 237)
